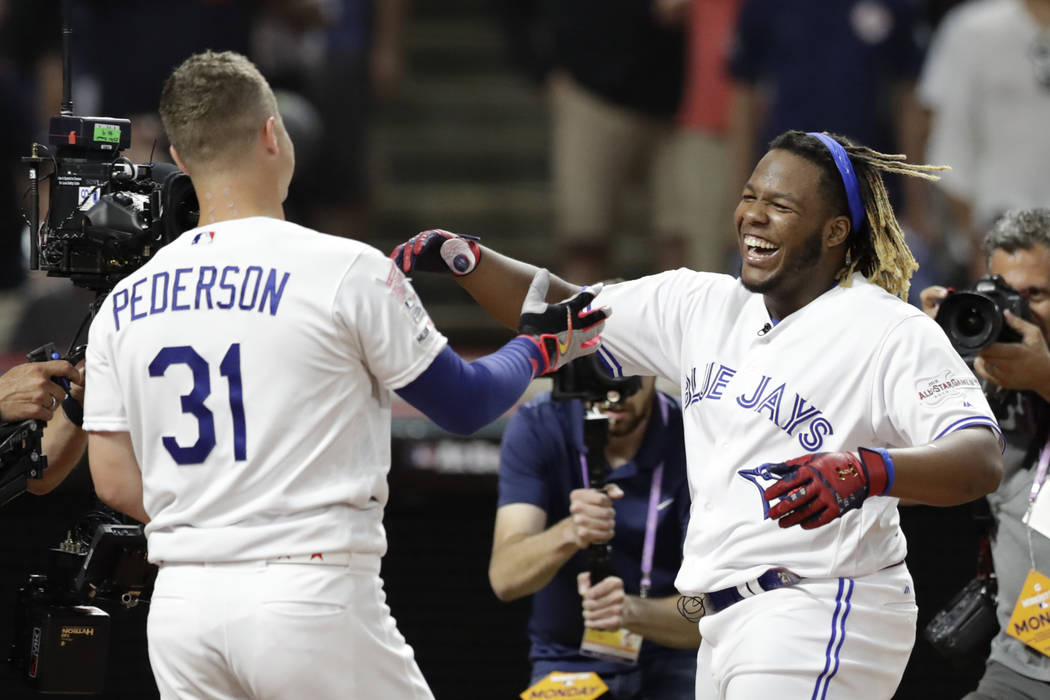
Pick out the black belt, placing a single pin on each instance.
(770, 580)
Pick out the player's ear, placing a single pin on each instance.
(177, 160)
(268, 134)
(836, 231)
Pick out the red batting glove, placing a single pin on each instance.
(817, 488)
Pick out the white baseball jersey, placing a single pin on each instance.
(855, 367)
(252, 361)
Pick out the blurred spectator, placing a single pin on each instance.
(704, 120)
(987, 83)
(341, 56)
(104, 63)
(613, 70)
(18, 63)
(842, 66)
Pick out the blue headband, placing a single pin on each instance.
(849, 178)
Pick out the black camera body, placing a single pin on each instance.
(973, 318)
(60, 625)
(107, 216)
(586, 379)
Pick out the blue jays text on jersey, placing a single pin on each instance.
(788, 411)
(203, 287)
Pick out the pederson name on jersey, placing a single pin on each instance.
(231, 287)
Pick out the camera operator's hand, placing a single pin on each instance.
(593, 516)
(1019, 366)
(28, 391)
(604, 604)
(931, 299)
(76, 387)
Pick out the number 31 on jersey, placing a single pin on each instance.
(193, 402)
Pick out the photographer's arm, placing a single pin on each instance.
(116, 473)
(1023, 366)
(525, 556)
(63, 443)
(606, 606)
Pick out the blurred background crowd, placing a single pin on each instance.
(599, 138)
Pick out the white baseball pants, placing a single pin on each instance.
(270, 631)
(820, 639)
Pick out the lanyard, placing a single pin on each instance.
(652, 515)
(1033, 493)
(651, 520)
(650, 531)
(1040, 474)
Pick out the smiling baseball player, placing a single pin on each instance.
(812, 396)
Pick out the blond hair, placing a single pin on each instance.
(213, 105)
(878, 250)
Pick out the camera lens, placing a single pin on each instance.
(969, 322)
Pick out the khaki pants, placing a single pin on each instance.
(599, 149)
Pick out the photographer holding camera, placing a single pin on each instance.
(29, 392)
(548, 518)
(1017, 376)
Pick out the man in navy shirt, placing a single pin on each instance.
(547, 517)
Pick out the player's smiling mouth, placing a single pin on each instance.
(757, 249)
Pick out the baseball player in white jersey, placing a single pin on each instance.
(809, 390)
(239, 404)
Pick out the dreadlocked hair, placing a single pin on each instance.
(877, 249)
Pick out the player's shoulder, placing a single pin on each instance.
(978, 16)
(871, 304)
(880, 316)
(683, 283)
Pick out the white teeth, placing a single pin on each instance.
(756, 242)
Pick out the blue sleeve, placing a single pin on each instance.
(521, 459)
(461, 396)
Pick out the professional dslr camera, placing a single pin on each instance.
(107, 216)
(973, 318)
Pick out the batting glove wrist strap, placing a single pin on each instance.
(563, 331)
(437, 250)
(878, 465)
(817, 488)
